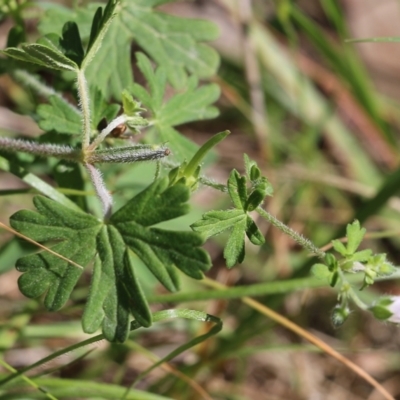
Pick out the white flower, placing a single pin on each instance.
(394, 308)
(357, 267)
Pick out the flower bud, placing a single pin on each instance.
(387, 309)
(339, 315)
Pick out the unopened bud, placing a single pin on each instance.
(339, 315)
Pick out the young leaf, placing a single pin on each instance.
(234, 250)
(253, 233)
(237, 220)
(190, 171)
(321, 271)
(100, 25)
(130, 106)
(60, 116)
(355, 236)
(237, 189)
(215, 222)
(339, 247)
(74, 233)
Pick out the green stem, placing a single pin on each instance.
(348, 291)
(297, 237)
(27, 380)
(211, 183)
(84, 103)
(30, 81)
(258, 289)
(102, 193)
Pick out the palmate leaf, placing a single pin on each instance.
(194, 104)
(171, 41)
(74, 234)
(115, 292)
(237, 220)
(66, 53)
(159, 249)
(100, 24)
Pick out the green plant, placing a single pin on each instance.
(74, 228)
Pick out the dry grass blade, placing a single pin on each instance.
(39, 245)
(308, 336)
(172, 370)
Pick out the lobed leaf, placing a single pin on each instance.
(238, 220)
(171, 41)
(49, 57)
(159, 249)
(253, 233)
(100, 25)
(234, 251)
(355, 236)
(191, 105)
(157, 203)
(339, 247)
(215, 222)
(237, 189)
(115, 291)
(59, 116)
(74, 233)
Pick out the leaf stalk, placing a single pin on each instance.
(297, 237)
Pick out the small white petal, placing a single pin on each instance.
(394, 308)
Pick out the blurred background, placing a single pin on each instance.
(321, 117)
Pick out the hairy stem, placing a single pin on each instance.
(101, 190)
(84, 104)
(31, 82)
(40, 149)
(211, 183)
(127, 154)
(297, 237)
